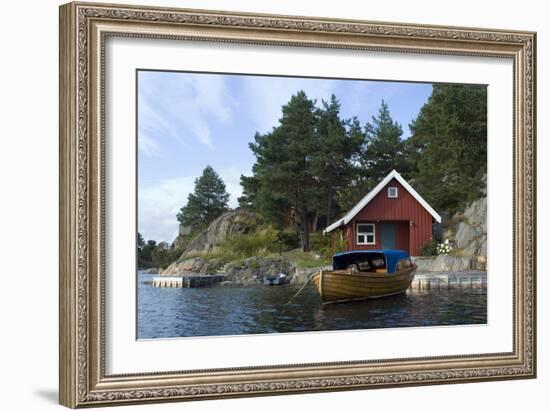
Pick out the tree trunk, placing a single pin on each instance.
(315, 221)
(329, 207)
(305, 230)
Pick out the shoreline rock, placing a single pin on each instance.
(253, 270)
(301, 275)
(245, 272)
(448, 263)
(197, 265)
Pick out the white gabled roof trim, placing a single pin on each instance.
(367, 199)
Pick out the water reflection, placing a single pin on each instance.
(185, 312)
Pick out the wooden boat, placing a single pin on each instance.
(359, 275)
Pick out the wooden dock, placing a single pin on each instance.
(446, 280)
(187, 281)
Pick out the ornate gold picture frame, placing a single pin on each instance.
(84, 30)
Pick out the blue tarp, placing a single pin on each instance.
(341, 261)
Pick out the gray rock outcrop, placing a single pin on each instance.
(193, 257)
(444, 263)
(471, 232)
(230, 223)
(197, 265)
(301, 275)
(253, 270)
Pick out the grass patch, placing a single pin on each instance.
(258, 244)
(264, 242)
(306, 260)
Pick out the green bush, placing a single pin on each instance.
(163, 256)
(429, 249)
(327, 245)
(289, 239)
(260, 243)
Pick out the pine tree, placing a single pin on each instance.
(355, 183)
(384, 149)
(259, 198)
(449, 145)
(283, 163)
(208, 201)
(332, 160)
(140, 242)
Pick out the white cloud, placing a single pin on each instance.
(182, 107)
(160, 201)
(158, 205)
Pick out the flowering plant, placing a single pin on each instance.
(444, 247)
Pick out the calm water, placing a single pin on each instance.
(186, 312)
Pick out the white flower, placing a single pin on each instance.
(444, 247)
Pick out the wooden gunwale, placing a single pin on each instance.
(335, 286)
(362, 281)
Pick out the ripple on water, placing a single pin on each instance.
(187, 312)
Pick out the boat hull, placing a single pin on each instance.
(347, 285)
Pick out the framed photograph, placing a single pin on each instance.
(260, 204)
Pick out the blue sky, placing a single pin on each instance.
(187, 121)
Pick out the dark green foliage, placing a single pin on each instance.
(262, 242)
(249, 197)
(151, 254)
(448, 146)
(429, 249)
(258, 197)
(283, 167)
(145, 252)
(207, 202)
(384, 151)
(328, 245)
(140, 242)
(304, 165)
(164, 255)
(289, 239)
(336, 147)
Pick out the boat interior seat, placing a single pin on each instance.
(367, 267)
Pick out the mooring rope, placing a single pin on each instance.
(300, 290)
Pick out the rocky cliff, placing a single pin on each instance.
(200, 257)
(197, 265)
(230, 223)
(470, 232)
(467, 232)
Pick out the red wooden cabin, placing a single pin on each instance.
(391, 216)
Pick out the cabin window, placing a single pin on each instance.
(392, 192)
(365, 234)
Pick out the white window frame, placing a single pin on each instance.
(390, 191)
(357, 234)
